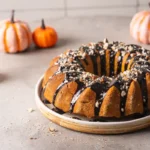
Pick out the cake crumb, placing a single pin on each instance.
(52, 130)
(72, 139)
(32, 138)
(30, 110)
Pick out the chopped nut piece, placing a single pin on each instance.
(105, 40)
(123, 93)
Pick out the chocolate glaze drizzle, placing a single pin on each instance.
(75, 98)
(86, 62)
(99, 89)
(103, 66)
(118, 85)
(79, 62)
(112, 55)
(58, 89)
(142, 82)
(120, 61)
(94, 64)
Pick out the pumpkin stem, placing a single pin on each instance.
(149, 4)
(43, 24)
(12, 16)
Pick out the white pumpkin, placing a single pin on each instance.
(15, 35)
(140, 27)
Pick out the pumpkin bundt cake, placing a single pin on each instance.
(100, 80)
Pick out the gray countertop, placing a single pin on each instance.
(20, 129)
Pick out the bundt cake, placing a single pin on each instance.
(100, 80)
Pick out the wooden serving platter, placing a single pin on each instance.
(82, 124)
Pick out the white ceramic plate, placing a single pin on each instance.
(69, 121)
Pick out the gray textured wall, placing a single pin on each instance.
(32, 10)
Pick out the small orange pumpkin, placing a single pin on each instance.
(140, 27)
(44, 36)
(15, 35)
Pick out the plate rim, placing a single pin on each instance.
(105, 125)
